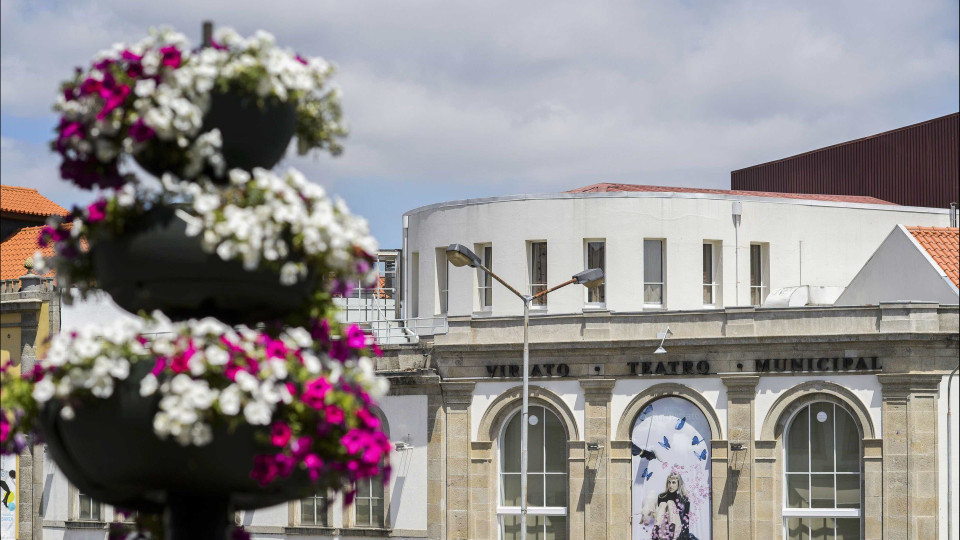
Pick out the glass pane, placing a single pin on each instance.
(536, 449)
(798, 441)
(848, 529)
(307, 515)
(653, 294)
(708, 294)
(376, 486)
(535, 489)
(755, 266)
(556, 528)
(534, 527)
(555, 441)
(363, 512)
(376, 512)
(708, 263)
(821, 529)
(510, 527)
(510, 490)
(821, 491)
(538, 271)
(653, 261)
(821, 437)
(363, 488)
(756, 296)
(556, 490)
(798, 529)
(848, 442)
(798, 491)
(848, 491)
(595, 259)
(510, 446)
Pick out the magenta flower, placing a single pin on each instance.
(368, 419)
(333, 414)
(50, 235)
(264, 469)
(356, 339)
(170, 56)
(4, 427)
(279, 434)
(97, 211)
(141, 132)
(115, 100)
(315, 392)
(275, 348)
(313, 463)
(158, 366)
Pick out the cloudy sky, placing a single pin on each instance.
(451, 100)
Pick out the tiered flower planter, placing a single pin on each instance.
(203, 419)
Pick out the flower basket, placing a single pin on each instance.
(252, 136)
(160, 267)
(110, 451)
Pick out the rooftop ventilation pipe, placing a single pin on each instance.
(953, 214)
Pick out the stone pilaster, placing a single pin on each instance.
(596, 488)
(457, 397)
(436, 437)
(909, 455)
(873, 489)
(738, 494)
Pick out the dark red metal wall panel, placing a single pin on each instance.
(916, 165)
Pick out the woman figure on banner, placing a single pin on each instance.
(672, 519)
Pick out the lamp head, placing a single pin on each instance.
(590, 277)
(660, 350)
(460, 255)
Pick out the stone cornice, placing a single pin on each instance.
(895, 384)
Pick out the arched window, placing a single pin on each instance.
(822, 474)
(547, 484)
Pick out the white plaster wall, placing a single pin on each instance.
(97, 309)
(486, 392)
(407, 416)
(837, 239)
(900, 269)
(945, 511)
(712, 389)
(865, 387)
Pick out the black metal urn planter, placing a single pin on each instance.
(219, 410)
(254, 133)
(160, 267)
(110, 452)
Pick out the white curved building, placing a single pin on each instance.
(661, 248)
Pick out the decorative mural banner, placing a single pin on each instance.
(8, 497)
(671, 472)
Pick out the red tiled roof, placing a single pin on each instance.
(943, 245)
(608, 188)
(18, 248)
(21, 200)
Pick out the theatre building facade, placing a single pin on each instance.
(757, 415)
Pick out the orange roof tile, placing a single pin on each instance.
(21, 200)
(943, 245)
(610, 187)
(18, 248)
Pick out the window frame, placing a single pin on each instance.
(602, 287)
(326, 513)
(93, 504)
(484, 279)
(535, 286)
(761, 285)
(547, 511)
(663, 281)
(443, 281)
(786, 512)
(355, 508)
(715, 279)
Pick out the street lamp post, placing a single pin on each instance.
(460, 255)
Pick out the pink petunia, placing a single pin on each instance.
(315, 392)
(97, 211)
(280, 434)
(356, 339)
(170, 56)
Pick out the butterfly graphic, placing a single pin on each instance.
(644, 454)
(665, 443)
(702, 455)
(681, 423)
(696, 440)
(646, 474)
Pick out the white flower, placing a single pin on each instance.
(67, 413)
(201, 434)
(246, 381)
(257, 413)
(216, 356)
(229, 400)
(43, 390)
(148, 385)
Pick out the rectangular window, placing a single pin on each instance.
(368, 503)
(415, 284)
(653, 272)
(484, 279)
(313, 510)
(88, 509)
(443, 277)
(538, 272)
(709, 275)
(758, 274)
(596, 259)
